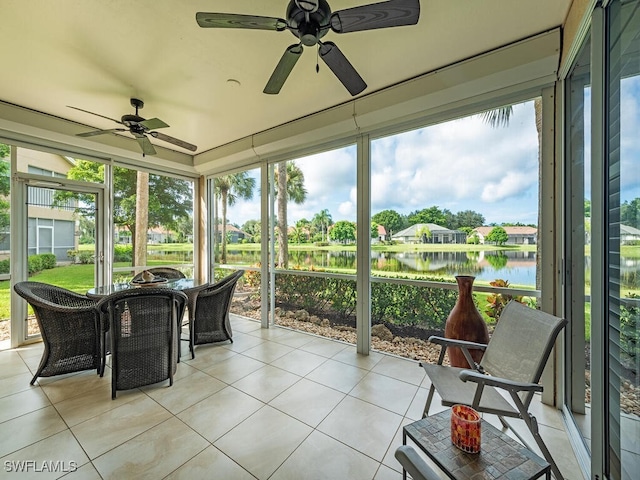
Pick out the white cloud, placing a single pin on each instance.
(459, 165)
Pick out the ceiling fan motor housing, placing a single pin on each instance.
(133, 121)
(308, 31)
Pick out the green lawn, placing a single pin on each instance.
(77, 278)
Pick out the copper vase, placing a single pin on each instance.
(465, 323)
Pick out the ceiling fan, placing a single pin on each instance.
(139, 128)
(310, 20)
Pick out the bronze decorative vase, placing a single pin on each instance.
(465, 323)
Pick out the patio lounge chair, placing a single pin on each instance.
(512, 363)
(68, 323)
(143, 324)
(209, 312)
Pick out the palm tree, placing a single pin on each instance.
(291, 182)
(323, 220)
(229, 188)
(142, 219)
(423, 233)
(500, 117)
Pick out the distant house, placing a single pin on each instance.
(157, 235)
(234, 234)
(629, 235)
(382, 235)
(517, 235)
(439, 234)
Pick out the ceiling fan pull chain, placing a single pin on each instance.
(317, 55)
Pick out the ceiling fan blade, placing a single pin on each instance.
(101, 132)
(175, 141)
(232, 20)
(153, 123)
(283, 69)
(145, 144)
(96, 114)
(392, 13)
(340, 66)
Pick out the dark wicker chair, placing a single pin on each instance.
(143, 326)
(209, 312)
(164, 272)
(69, 325)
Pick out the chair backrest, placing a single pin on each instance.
(521, 343)
(214, 301)
(164, 272)
(51, 296)
(143, 323)
(232, 277)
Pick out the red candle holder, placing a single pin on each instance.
(465, 428)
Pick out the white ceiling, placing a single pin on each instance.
(97, 54)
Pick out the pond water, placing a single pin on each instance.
(516, 267)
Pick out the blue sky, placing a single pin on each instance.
(463, 164)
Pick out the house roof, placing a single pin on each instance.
(628, 230)
(484, 231)
(433, 228)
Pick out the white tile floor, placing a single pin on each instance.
(275, 404)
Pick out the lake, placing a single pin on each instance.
(516, 267)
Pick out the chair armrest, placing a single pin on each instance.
(462, 344)
(450, 342)
(505, 384)
(414, 464)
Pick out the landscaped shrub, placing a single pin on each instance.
(84, 257)
(123, 253)
(34, 264)
(252, 278)
(5, 266)
(497, 301)
(48, 260)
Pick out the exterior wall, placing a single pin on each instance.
(50, 230)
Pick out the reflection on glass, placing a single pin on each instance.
(623, 351)
(5, 254)
(578, 377)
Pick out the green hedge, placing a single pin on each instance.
(35, 263)
(391, 303)
(408, 305)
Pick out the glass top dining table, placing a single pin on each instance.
(186, 285)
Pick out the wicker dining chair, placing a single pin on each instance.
(69, 326)
(143, 326)
(209, 312)
(164, 272)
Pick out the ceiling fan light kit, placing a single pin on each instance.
(310, 20)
